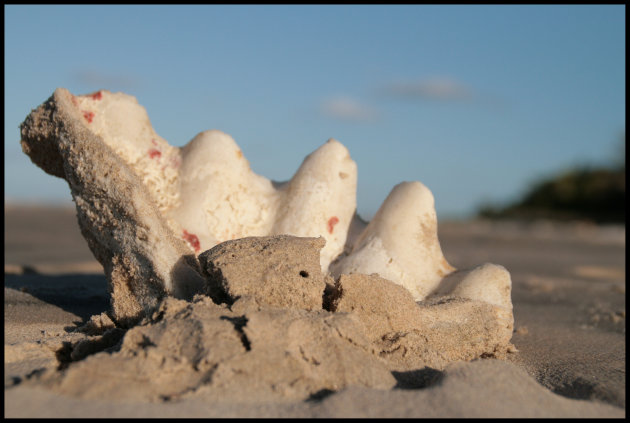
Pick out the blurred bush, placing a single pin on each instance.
(585, 193)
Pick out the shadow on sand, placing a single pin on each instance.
(81, 294)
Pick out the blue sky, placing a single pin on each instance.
(477, 102)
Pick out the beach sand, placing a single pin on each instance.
(569, 309)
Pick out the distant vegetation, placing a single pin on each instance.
(585, 193)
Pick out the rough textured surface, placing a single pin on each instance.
(205, 191)
(271, 336)
(267, 333)
(279, 327)
(199, 348)
(281, 271)
(481, 389)
(118, 216)
(428, 334)
(146, 207)
(570, 330)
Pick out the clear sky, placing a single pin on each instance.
(477, 102)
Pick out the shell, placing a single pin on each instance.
(148, 209)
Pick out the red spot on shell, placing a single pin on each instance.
(154, 154)
(192, 240)
(331, 223)
(97, 95)
(88, 116)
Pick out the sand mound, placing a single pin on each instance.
(272, 337)
(200, 346)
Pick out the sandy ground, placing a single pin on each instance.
(569, 306)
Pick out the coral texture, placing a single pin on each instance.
(147, 209)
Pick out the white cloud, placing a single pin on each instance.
(346, 108)
(439, 88)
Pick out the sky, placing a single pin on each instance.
(476, 102)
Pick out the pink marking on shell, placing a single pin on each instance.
(192, 240)
(88, 116)
(331, 223)
(97, 95)
(155, 154)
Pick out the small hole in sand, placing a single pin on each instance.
(304, 273)
(343, 175)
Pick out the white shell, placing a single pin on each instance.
(207, 193)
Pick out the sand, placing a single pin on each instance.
(569, 328)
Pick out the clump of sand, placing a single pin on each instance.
(276, 331)
(280, 271)
(430, 333)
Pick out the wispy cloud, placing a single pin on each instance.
(97, 79)
(348, 109)
(439, 88)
